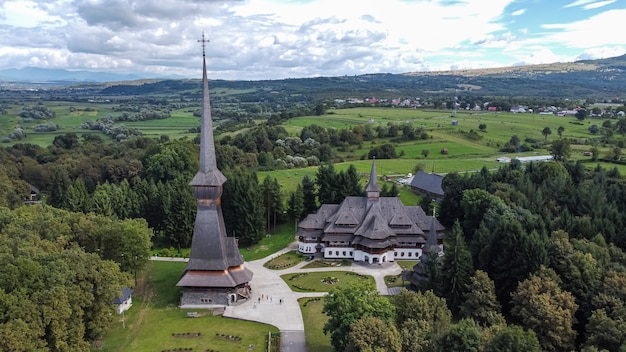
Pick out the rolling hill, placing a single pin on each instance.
(603, 79)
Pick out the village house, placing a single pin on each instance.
(372, 229)
(125, 301)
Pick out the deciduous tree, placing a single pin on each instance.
(373, 334)
(513, 339)
(560, 150)
(546, 132)
(540, 304)
(480, 302)
(346, 305)
(464, 336)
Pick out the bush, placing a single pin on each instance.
(45, 128)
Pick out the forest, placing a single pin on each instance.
(534, 261)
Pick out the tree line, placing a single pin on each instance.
(146, 178)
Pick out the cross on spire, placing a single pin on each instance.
(203, 41)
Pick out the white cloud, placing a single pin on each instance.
(579, 3)
(26, 14)
(277, 39)
(598, 30)
(599, 4)
(601, 53)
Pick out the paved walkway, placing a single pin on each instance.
(269, 290)
(286, 316)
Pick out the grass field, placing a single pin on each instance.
(150, 324)
(316, 281)
(284, 261)
(284, 235)
(314, 321)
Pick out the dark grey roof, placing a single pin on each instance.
(335, 237)
(318, 220)
(208, 175)
(126, 293)
(309, 233)
(374, 225)
(411, 239)
(431, 243)
(380, 219)
(428, 182)
(346, 219)
(372, 185)
(400, 219)
(227, 278)
(374, 243)
(210, 248)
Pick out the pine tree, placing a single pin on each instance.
(457, 268)
(394, 191)
(101, 200)
(326, 181)
(77, 198)
(512, 255)
(266, 191)
(295, 205)
(182, 213)
(273, 204)
(350, 184)
(59, 184)
(308, 196)
(277, 204)
(242, 206)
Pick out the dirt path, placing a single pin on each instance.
(144, 290)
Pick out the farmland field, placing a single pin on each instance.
(464, 154)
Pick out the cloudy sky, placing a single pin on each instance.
(271, 39)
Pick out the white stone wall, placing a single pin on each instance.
(373, 258)
(407, 253)
(306, 248)
(124, 306)
(338, 252)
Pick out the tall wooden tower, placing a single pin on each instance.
(215, 274)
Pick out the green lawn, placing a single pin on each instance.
(314, 321)
(313, 282)
(284, 261)
(283, 236)
(154, 318)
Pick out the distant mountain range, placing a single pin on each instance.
(603, 79)
(61, 76)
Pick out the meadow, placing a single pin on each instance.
(463, 154)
